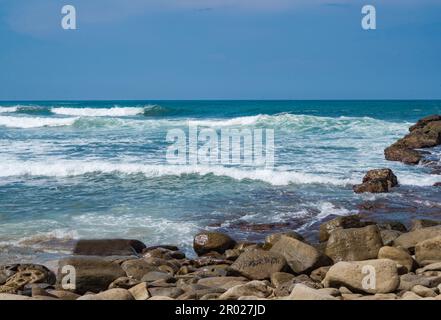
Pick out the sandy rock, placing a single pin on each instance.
(302, 292)
(423, 223)
(90, 297)
(399, 255)
(171, 292)
(205, 242)
(344, 222)
(354, 244)
(409, 295)
(8, 296)
(355, 276)
(63, 294)
(273, 238)
(24, 274)
(379, 296)
(93, 274)
(430, 267)
(301, 257)
(428, 251)
(124, 283)
(115, 294)
(161, 298)
(255, 288)
(140, 291)
(259, 264)
(330, 291)
(423, 291)
(410, 239)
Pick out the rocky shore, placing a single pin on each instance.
(353, 258)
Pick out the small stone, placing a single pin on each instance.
(156, 275)
(160, 298)
(140, 291)
(64, 294)
(302, 292)
(255, 288)
(319, 274)
(423, 291)
(115, 294)
(172, 292)
(430, 267)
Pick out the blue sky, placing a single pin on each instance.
(220, 49)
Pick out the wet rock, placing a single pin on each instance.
(354, 244)
(302, 292)
(259, 264)
(410, 239)
(93, 274)
(205, 242)
(377, 181)
(399, 152)
(399, 255)
(254, 288)
(353, 276)
(424, 121)
(136, 269)
(344, 222)
(108, 247)
(301, 257)
(428, 251)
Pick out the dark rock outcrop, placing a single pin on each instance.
(377, 181)
(108, 247)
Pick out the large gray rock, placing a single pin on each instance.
(370, 276)
(301, 257)
(93, 274)
(259, 264)
(408, 281)
(410, 239)
(354, 244)
(428, 251)
(207, 241)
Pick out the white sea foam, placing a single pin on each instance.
(65, 168)
(34, 122)
(8, 109)
(99, 112)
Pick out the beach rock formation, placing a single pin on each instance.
(377, 181)
(205, 242)
(426, 133)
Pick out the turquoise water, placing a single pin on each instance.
(91, 169)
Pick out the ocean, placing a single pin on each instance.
(98, 169)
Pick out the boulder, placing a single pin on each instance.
(92, 274)
(123, 283)
(399, 255)
(377, 181)
(424, 121)
(423, 223)
(357, 276)
(301, 257)
(259, 264)
(222, 282)
(205, 242)
(279, 278)
(389, 236)
(108, 247)
(344, 222)
(410, 239)
(428, 251)
(319, 274)
(302, 292)
(63, 294)
(136, 269)
(8, 296)
(140, 291)
(171, 292)
(397, 152)
(430, 267)
(254, 288)
(354, 244)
